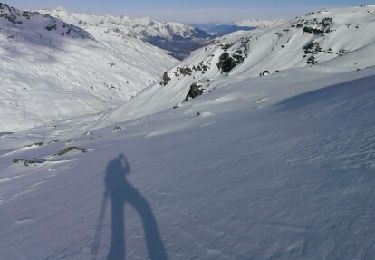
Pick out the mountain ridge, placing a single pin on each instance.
(176, 38)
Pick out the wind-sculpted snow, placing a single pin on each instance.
(272, 167)
(53, 70)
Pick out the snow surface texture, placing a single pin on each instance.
(258, 168)
(178, 39)
(263, 172)
(76, 73)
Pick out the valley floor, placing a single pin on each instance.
(280, 167)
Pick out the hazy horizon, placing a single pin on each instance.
(193, 12)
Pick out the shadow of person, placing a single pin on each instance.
(120, 191)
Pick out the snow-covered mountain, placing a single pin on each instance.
(178, 39)
(76, 73)
(342, 37)
(273, 167)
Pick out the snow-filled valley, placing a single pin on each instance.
(211, 159)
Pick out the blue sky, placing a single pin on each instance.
(191, 10)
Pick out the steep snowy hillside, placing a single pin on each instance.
(178, 39)
(267, 168)
(52, 70)
(343, 38)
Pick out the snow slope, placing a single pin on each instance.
(53, 70)
(273, 167)
(343, 38)
(178, 39)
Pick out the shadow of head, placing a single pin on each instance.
(118, 168)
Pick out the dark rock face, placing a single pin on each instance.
(29, 162)
(233, 55)
(70, 149)
(327, 22)
(312, 60)
(201, 67)
(312, 30)
(51, 27)
(264, 73)
(313, 26)
(185, 71)
(342, 52)
(194, 91)
(165, 79)
(312, 47)
(226, 62)
(38, 144)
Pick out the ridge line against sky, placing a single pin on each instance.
(191, 11)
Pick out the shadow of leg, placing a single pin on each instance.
(154, 243)
(117, 250)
